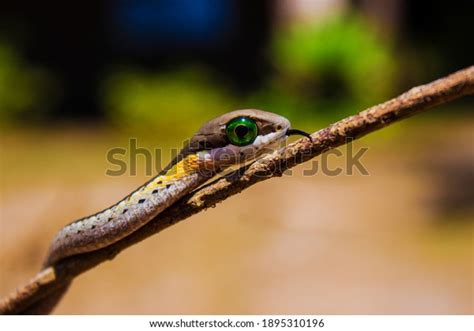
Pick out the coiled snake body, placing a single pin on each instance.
(235, 137)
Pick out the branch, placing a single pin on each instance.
(46, 284)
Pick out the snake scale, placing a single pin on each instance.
(230, 139)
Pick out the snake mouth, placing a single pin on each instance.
(294, 132)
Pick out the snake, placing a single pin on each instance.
(234, 138)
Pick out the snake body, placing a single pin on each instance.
(231, 139)
(237, 136)
(129, 214)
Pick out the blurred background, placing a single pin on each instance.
(77, 79)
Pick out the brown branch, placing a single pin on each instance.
(45, 284)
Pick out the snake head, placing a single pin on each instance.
(239, 136)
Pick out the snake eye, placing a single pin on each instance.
(241, 131)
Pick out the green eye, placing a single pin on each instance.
(241, 131)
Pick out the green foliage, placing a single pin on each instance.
(173, 103)
(23, 89)
(322, 72)
(334, 68)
